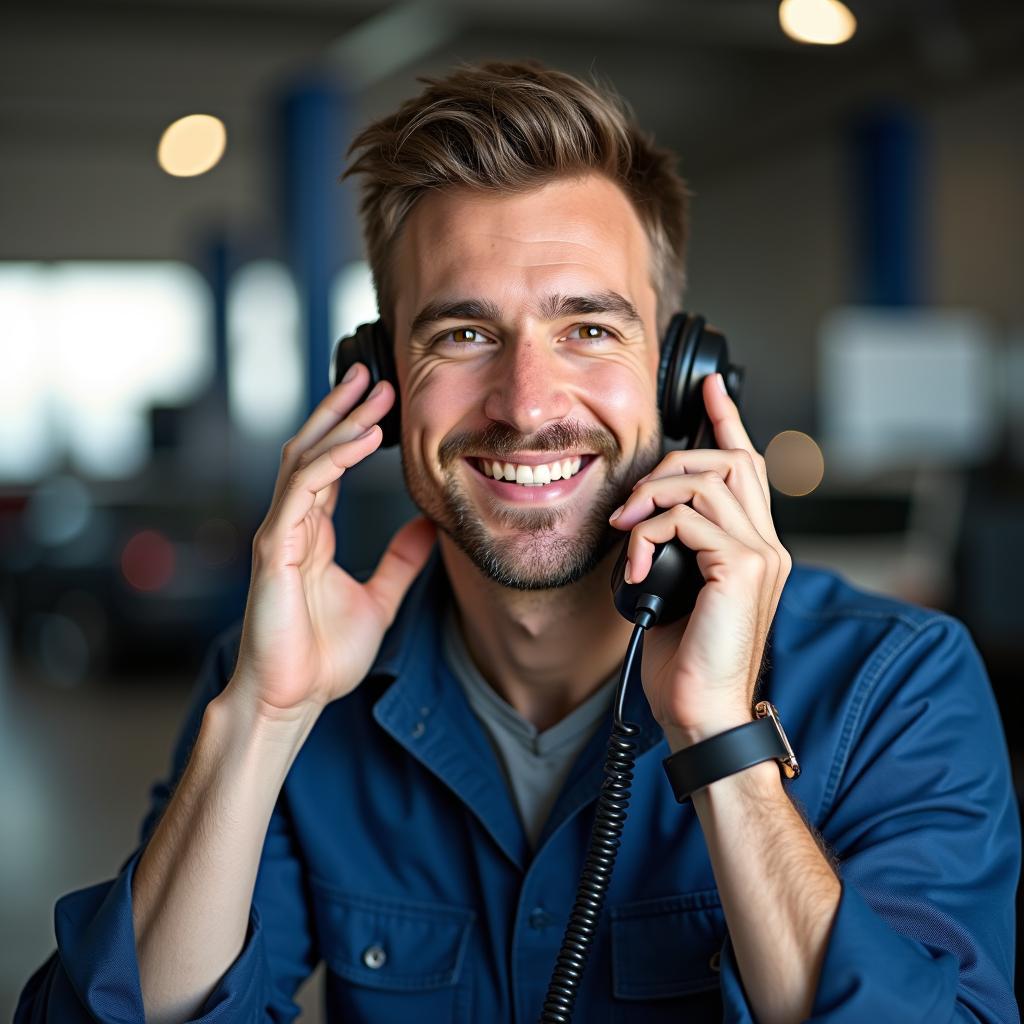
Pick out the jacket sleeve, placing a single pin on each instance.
(921, 813)
(94, 974)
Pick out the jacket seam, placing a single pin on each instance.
(873, 672)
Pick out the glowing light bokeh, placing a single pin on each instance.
(794, 462)
(822, 22)
(192, 145)
(147, 561)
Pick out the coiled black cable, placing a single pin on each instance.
(609, 820)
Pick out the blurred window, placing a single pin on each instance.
(85, 348)
(265, 361)
(903, 387)
(353, 300)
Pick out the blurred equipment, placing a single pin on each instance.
(901, 387)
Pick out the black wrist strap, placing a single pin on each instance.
(729, 752)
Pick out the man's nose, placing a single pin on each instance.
(528, 388)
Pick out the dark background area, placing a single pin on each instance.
(857, 232)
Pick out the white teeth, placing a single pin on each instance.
(531, 476)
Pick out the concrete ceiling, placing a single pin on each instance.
(86, 87)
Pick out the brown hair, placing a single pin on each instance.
(511, 126)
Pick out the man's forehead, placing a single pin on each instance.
(571, 237)
(566, 214)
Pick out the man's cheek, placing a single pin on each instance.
(625, 401)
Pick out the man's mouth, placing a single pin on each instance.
(531, 474)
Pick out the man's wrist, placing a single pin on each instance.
(679, 737)
(239, 724)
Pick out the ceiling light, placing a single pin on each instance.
(192, 145)
(825, 22)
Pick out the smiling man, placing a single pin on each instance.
(397, 776)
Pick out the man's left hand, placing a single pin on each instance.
(699, 674)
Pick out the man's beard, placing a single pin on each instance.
(538, 557)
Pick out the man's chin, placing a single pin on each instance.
(543, 560)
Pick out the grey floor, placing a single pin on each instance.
(75, 771)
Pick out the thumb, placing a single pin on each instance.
(401, 564)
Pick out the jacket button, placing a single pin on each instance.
(539, 919)
(374, 957)
(715, 963)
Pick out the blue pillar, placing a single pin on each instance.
(889, 210)
(312, 149)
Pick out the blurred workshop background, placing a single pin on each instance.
(176, 258)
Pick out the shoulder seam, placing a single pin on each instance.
(913, 621)
(874, 670)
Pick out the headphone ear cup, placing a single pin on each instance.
(690, 352)
(371, 345)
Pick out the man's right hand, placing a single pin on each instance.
(311, 631)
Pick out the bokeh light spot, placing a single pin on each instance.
(147, 560)
(794, 462)
(823, 22)
(58, 511)
(192, 145)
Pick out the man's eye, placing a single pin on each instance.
(590, 332)
(463, 336)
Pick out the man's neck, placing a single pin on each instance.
(543, 651)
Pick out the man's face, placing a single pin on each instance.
(525, 342)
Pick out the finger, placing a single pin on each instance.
(728, 427)
(337, 403)
(363, 416)
(686, 524)
(303, 485)
(736, 468)
(709, 495)
(400, 564)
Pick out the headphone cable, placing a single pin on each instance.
(605, 835)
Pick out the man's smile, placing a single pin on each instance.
(532, 477)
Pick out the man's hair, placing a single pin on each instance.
(511, 127)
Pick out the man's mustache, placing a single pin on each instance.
(501, 441)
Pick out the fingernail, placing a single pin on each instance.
(350, 373)
(721, 384)
(377, 389)
(615, 515)
(626, 574)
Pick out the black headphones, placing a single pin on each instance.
(689, 352)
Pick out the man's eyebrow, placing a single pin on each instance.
(551, 307)
(457, 309)
(554, 307)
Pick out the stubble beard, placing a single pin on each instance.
(536, 555)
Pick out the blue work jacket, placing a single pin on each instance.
(395, 853)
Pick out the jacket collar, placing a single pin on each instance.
(425, 710)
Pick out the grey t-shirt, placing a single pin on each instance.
(535, 764)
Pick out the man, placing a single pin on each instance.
(397, 776)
